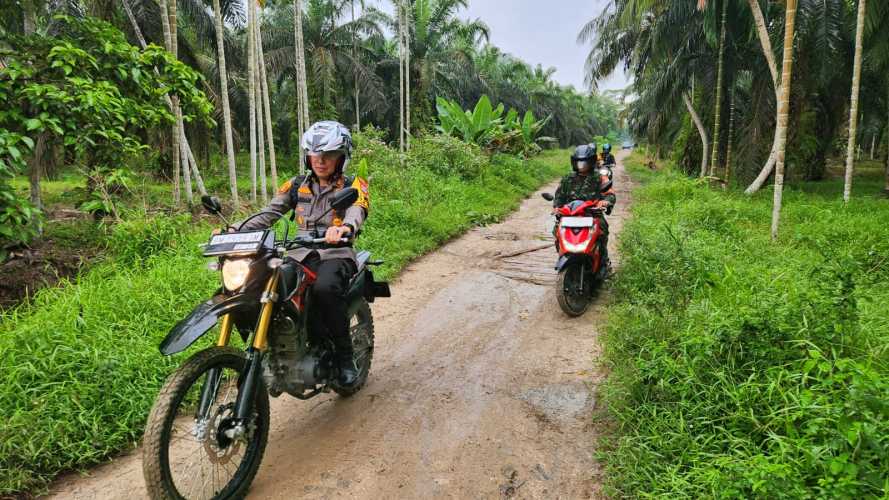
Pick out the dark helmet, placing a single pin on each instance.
(606, 148)
(583, 153)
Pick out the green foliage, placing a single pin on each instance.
(486, 126)
(141, 237)
(742, 368)
(81, 366)
(445, 156)
(90, 89)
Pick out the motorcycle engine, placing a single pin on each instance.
(291, 365)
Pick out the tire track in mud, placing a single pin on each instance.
(480, 387)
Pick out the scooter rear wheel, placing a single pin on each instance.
(573, 300)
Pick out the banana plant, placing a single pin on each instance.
(486, 126)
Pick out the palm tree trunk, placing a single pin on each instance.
(199, 181)
(251, 94)
(783, 112)
(853, 112)
(183, 157)
(174, 154)
(765, 41)
(407, 73)
(355, 75)
(29, 26)
(705, 142)
(264, 82)
(260, 126)
(769, 54)
(720, 76)
(401, 76)
(731, 136)
(886, 185)
(301, 80)
(226, 109)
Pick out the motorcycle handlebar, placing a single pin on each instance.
(311, 241)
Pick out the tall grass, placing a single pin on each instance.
(742, 368)
(79, 365)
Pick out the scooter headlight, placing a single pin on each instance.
(234, 273)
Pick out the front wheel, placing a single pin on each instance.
(574, 289)
(189, 452)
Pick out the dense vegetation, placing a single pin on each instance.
(81, 366)
(748, 369)
(710, 59)
(347, 60)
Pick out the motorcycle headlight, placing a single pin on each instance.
(234, 273)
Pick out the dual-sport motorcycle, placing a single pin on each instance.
(208, 429)
(581, 266)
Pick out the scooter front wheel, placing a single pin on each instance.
(574, 291)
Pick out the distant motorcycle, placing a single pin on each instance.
(209, 426)
(581, 266)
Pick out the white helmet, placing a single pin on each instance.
(327, 136)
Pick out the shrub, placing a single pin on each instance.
(742, 368)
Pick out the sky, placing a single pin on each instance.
(541, 32)
(544, 32)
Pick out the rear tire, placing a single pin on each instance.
(571, 303)
(159, 430)
(361, 329)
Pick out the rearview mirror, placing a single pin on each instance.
(547, 196)
(344, 198)
(211, 203)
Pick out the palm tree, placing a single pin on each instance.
(168, 41)
(783, 111)
(251, 92)
(719, 84)
(264, 81)
(226, 109)
(853, 112)
(302, 93)
(436, 42)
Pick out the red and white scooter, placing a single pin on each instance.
(582, 266)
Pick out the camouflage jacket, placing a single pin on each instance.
(305, 195)
(593, 186)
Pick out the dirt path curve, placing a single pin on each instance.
(481, 387)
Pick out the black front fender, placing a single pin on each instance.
(564, 260)
(201, 319)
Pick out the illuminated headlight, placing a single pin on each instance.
(575, 248)
(234, 273)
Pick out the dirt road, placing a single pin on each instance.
(481, 387)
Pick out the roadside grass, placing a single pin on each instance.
(80, 366)
(742, 368)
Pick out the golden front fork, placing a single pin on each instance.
(260, 340)
(225, 331)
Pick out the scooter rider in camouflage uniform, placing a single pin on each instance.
(587, 182)
(328, 147)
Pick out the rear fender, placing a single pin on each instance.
(200, 320)
(364, 287)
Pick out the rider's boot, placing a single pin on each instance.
(348, 371)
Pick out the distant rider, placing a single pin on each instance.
(607, 159)
(587, 183)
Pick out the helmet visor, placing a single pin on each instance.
(326, 155)
(583, 164)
